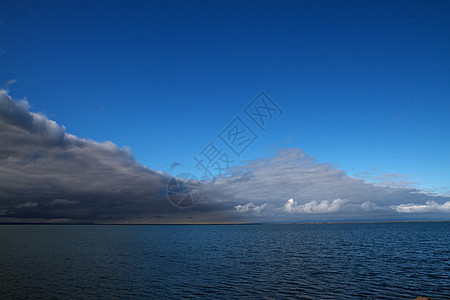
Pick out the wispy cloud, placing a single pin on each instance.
(429, 206)
(27, 205)
(293, 186)
(8, 83)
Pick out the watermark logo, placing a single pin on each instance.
(238, 136)
(263, 109)
(213, 160)
(184, 190)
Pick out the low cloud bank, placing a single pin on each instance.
(49, 175)
(429, 206)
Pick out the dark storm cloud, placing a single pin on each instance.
(46, 173)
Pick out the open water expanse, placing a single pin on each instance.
(304, 261)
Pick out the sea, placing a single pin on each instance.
(259, 261)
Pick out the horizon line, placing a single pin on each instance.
(251, 223)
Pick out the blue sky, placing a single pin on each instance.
(364, 86)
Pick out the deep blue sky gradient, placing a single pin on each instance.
(363, 84)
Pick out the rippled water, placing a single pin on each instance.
(320, 261)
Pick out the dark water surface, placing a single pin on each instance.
(320, 261)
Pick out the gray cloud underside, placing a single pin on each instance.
(48, 174)
(291, 186)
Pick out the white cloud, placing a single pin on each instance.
(314, 207)
(429, 206)
(250, 207)
(369, 206)
(319, 189)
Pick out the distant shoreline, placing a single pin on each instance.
(262, 223)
